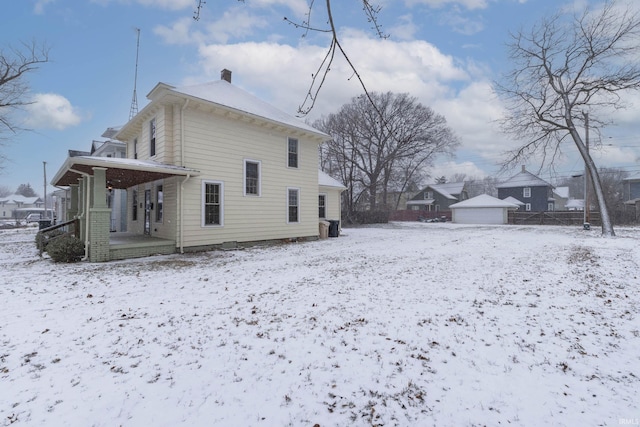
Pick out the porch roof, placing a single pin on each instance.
(120, 174)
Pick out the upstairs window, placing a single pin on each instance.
(293, 153)
(135, 148)
(526, 192)
(251, 178)
(152, 137)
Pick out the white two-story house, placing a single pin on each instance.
(206, 166)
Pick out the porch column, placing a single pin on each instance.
(100, 218)
(72, 211)
(82, 207)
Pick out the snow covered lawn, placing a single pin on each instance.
(398, 325)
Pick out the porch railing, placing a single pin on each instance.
(46, 235)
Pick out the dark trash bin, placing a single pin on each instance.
(334, 228)
(44, 223)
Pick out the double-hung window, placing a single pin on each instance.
(152, 137)
(251, 178)
(526, 192)
(293, 205)
(212, 206)
(322, 206)
(292, 153)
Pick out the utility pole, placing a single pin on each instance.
(44, 166)
(586, 172)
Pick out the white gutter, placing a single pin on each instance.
(87, 194)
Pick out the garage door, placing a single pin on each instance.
(479, 216)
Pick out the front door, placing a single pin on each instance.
(147, 212)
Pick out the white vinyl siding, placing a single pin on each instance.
(217, 147)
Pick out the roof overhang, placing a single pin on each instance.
(421, 202)
(120, 173)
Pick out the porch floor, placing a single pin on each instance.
(129, 245)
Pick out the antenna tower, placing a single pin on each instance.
(134, 101)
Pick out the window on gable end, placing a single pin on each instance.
(526, 192)
(292, 153)
(152, 137)
(251, 178)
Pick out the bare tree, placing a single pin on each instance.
(327, 26)
(563, 70)
(15, 65)
(5, 191)
(374, 144)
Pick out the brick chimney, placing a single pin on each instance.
(523, 168)
(225, 75)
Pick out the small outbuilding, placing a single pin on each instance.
(482, 209)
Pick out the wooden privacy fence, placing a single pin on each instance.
(553, 218)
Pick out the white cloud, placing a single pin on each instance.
(161, 4)
(405, 29)
(39, 6)
(52, 111)
(469, 4)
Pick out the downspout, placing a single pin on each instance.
(182, 213)
(86, 212)
(181, 198)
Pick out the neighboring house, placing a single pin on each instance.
(17, 206)
(535, 193)
(208, 166)
(632, 194)
(482, 209)
(561, 198)
(438, 197)
(116, 198)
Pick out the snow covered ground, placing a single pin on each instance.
(398, 325)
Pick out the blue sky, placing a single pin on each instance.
(444, 52)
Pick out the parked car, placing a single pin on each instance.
(33, 217)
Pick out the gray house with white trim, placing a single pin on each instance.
(535, 193)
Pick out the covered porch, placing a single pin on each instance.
(89, 179)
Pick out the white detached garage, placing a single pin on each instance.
(482, 209)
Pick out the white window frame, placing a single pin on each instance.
(244, 180)
(550, 206)
(527, 207)
(153, 132)
(297, 165)
(325, 205)
(526, 192)
(297, 221)
(203, 203)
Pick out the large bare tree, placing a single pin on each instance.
(379, 142)
(321, 19)
(569, 68)
(15, 65)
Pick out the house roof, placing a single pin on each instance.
(562, 192)
(483, 201)
(450, 190)
(634, 177)
(226, 96)
(325, 180)
(420, 202)
(524, 179)
(19, 198)
(121, 173)
(513, 200)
